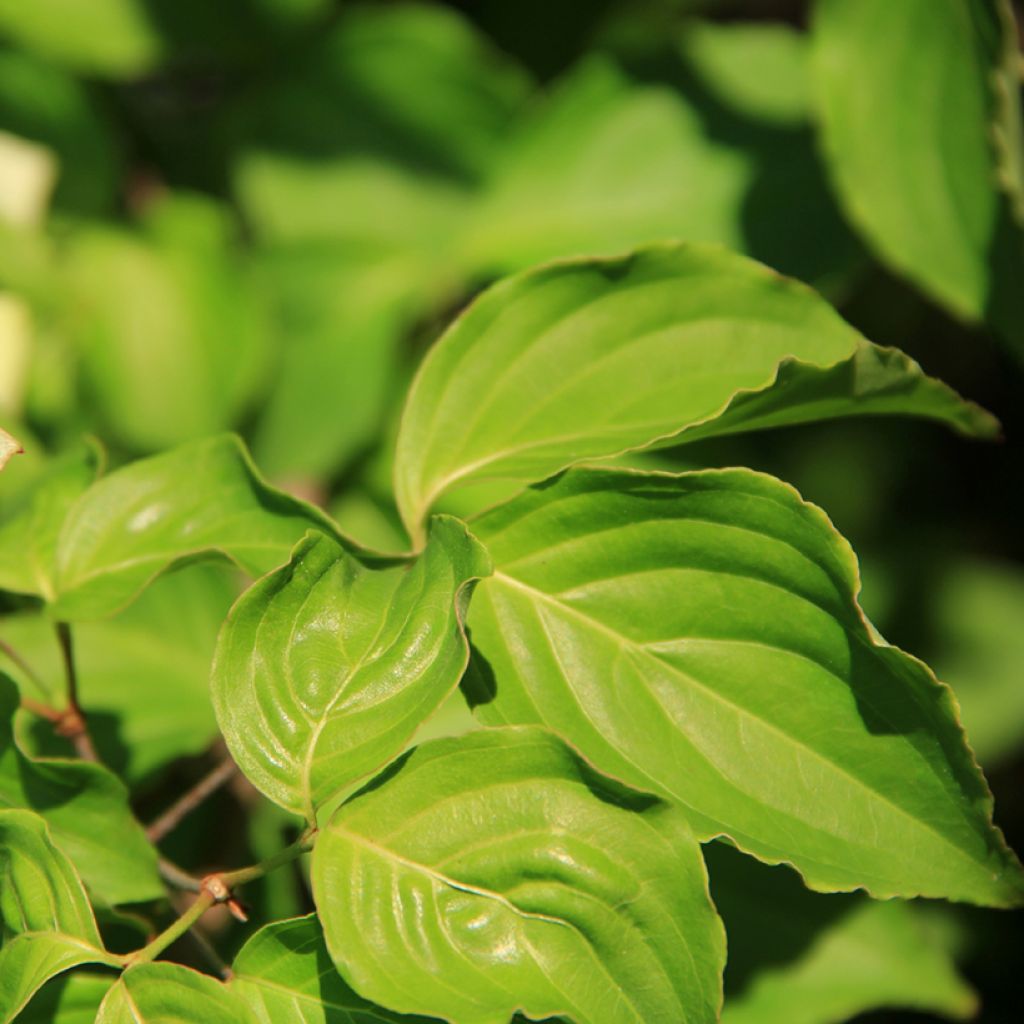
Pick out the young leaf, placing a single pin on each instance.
(204, 497)
(86, 807)
(830, 957)
(498, 872)
(911, 147)
(32, 521)
(285, 973)
(699, 635)
(326, 667)
(589, 358)
(47, 922)
(166, 993)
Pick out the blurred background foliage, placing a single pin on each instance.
(257, 214)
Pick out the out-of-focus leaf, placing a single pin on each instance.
(698, 635)
(171, 330)
(47, 924)
(69, 999)
(284, 973)
(980, 653)
(113, 38)
(166, 993)
(756, 68)
(41, 102)
(202, 498)
(583, 898)
(909, 107)
(143, 675)
(325, 668)
(589, 358)
(377, 131)
(86, 807)
(829, 958)
(340, 313)
(31, 521)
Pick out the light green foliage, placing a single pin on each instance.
(48, 925)
(912, 147)
(86, 807)
(68, 999)
(326, 667)
(105, 37)
(582, 898)
(143, 674)
(594, 357)
(164, 993)
(830, 957)
(284, 973)
(200, 498)
(699, 635)
(168, 323)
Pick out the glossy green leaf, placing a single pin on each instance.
(86, 807)
(589, 358)
(498, 872)
(171, 330)
(166, 993)
(326, 667)
(829, 957)
(202, 498)
(143, 675)
(911, 147)
(31, 521)
(106, 37)
(48, 925)
(284, 973)
(699, 635)
(71, 998)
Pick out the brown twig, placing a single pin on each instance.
(189, 801)
(72, 724)
(37, 707)
(177, 877)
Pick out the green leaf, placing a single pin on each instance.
(588, 358)
(498, 872)
(105, 37)
(202, 498)
(911, 147)
(166, 993)
(69, 999)
(171, 330)
(86, 806)
(699, 635)
(426, 105)
(143, 675)
(32, 520)
(48, 925)
(284, 973)
(830, 957)
(326, 667)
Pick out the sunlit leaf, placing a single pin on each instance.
(201, 498)
(699, 635)
(48, 925)
(166, 993)
(589, 358)
(497, 872)
(86, 807)
(326, 667)
(284, 973)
